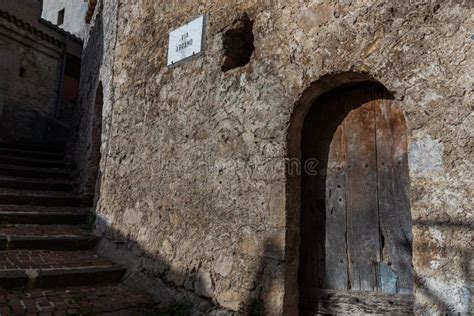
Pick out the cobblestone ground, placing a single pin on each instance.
(110, 299)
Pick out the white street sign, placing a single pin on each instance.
(186, 41)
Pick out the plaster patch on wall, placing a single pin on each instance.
(450, 295)
(223, 266)
(426, 158)
(243, 80)
(427, 72)
(437, 235)
(132, 216)
(429, 97)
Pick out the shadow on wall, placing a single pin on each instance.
(433, 291)
(179, 292)
(293, 198)
(174, 289)
(92, 174)
(84, 145)
(26, 125)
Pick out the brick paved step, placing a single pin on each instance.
(26, 214)
(31, 172)
(21, 153)
(94, 300)
(43, 198)
(53, 269)
(36, 184)
(33, 147)
(45, 237)
(32, 162)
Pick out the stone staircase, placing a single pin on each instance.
(48, 265)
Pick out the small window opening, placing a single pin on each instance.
(61, 17)
(72, 67)
(22, 72)
(238, 44)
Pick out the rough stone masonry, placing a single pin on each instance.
(194, 195)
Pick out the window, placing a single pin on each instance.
(61, 17)
(22, 72)
(73, 67)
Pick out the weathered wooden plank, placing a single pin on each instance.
(362, 206)
(320, 127)
(321, 143)
(349, 303)
(335, 274)
(394, 203)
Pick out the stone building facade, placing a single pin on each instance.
(195, 196)
(34, 59)
(71, 12)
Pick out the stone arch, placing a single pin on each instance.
(311, 94)
(293, 184)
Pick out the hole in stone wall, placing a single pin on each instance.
(238, 44)
(22, 72)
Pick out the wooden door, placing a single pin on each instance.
(355, 253)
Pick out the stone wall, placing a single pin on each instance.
(30, 73)
(96, 68)
(29, 11)
(31, 58)
(194, 193)
(26, 10)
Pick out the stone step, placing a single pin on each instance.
(35, 184)
(26, 214)
(43, 198)
(53, 269)
(114, 299)
(32, 162)
(45, 237)
(13, 152)
(33, 147)
(31, 172)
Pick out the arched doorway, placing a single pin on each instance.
(355, 222)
